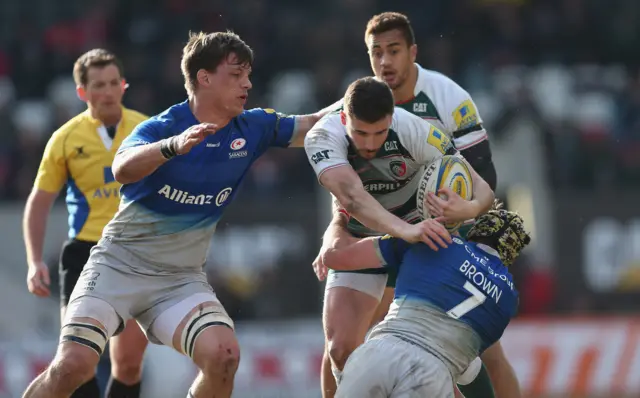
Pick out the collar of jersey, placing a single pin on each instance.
(487, 249)
(98, 122)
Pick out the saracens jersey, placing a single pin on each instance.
(168, 217)
(393, 176)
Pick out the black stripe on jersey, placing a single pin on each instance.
(276, 131)
(400, 211)
(465, 131)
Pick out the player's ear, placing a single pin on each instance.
(124, 85)
(343, 118)
(413, 51)
(82, 93)
(203, 77)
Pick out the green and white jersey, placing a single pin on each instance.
(392, 177)
(443, 103)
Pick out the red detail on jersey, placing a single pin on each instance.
(343, 211)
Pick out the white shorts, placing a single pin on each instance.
(388, 367)
(371, 284)
(111, 293)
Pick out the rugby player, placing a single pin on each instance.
(392, 52)
(79, 154)
(179, 170)
(449, 306)
(370, 156)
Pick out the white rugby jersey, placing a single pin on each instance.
(392, 177)
(446, 105)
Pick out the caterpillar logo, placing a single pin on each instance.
(187, 198)
(382, 187)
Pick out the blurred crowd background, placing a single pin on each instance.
(557, 83)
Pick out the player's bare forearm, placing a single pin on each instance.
(133, 164)
(304, 123)
(337, 234)
(361, 205)
(483, 195)
(346, 186)
(34, 222)
(362, 254)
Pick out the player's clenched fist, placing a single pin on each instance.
(430, 232)
(182, 144)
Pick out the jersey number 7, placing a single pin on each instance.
(477, 298)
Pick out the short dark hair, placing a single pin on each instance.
(207, 51)
(96, 58)
(502, 230)
(387, 21)
(368, 100)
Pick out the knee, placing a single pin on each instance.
(219, 358)
(126, 366)
(126, 359)
(339, 350)
(73, 364)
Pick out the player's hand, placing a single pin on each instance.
(193, 136)
(319, 268)
(431, 232)
(38, 279)
(448, 206)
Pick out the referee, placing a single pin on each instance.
(79, 154)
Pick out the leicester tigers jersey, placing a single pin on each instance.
(446, 105)
(392, 177)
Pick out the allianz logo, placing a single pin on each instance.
(188, 198)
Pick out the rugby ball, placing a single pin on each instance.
(448, 171)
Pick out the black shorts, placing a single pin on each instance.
(74, 255)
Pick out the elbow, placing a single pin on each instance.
(350, 200)
(331, 259)
(121, 172)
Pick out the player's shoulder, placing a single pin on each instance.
(431, 80)
(171, 121)
(405, 123)
(258, 116)
(329, 127)
(255, 120)
(331, 121)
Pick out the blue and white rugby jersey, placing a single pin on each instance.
(453, 303)
(168, 217)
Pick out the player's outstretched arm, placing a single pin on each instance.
(337, 233)
(346, 186)
(133, 164)
(304, 123)
(362, 254)
(483, 195)
(139, 156)
(451, 207)
(343, 182)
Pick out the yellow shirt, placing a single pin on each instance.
(80, 154)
